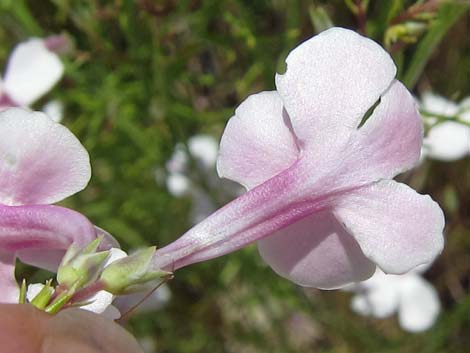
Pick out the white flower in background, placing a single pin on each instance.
(414, 299)
(54, 110)
(33, 68)
(204, 149)
(177, 183)
(449, 140)
(191, 172)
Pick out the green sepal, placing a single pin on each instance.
(61, 300)
(73, 251)
(41, 300)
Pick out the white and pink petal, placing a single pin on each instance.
(396, 227)
(316, 252)
(390, 140)
(41, 162)
(331, 81)
(258, 142)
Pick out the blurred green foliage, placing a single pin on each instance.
(147, 74)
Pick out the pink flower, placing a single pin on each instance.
(320, 202)
(41, 162)
(32, 70)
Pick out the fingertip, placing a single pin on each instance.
(22, 328)
(83, 331)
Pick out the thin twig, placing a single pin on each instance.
(412, 11)
(135, 306)
(361, 17)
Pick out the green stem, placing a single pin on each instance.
(23, 290)
(444, 118)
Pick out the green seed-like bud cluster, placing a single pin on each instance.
(84, 272)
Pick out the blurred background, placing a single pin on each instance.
(143, 77)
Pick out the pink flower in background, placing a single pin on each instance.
(41, 162)
(32, 70)
(321, 202)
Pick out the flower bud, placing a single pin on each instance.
(127, 274)
(407, 32)
(81, 266)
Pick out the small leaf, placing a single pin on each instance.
(61, 300)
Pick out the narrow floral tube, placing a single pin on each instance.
(258, 213)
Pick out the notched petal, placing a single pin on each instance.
(331, 81)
